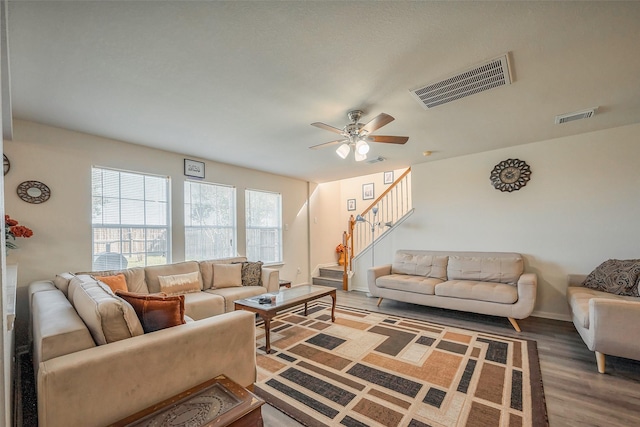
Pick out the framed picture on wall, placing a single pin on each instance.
(193, 168)
(367, 191)
(388, 177)
(351, 204)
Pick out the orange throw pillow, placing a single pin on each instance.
(156, 311)
(117, 282)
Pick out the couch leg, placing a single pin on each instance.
(600, 361)
(379, 301)
(514, 324)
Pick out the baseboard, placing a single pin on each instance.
(552, 316)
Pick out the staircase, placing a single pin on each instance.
(330, 276)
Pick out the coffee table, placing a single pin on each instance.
(286, 298)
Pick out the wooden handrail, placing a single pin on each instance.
(385, 192)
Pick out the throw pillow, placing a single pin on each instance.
(114, 282)
(615, 276)
(156, 311)
(251, 273)
(227, 275)
(180, 283)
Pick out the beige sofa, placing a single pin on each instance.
(608, 323)
(80, 382)
(492, 283)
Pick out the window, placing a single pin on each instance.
(264, 226)
(130, 219)
(210, 221)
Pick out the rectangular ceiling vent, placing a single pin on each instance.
(376, 160)
(488, 75)
(578, 115)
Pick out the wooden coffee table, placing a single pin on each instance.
(286, 298)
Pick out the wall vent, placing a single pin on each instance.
(578, 115)
(488, 75)
(376, 160)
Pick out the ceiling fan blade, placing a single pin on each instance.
(377, 122)
(388, 139)
(327, 144)
(326, 127)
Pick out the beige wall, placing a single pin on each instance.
(581, 207)
(62, 160)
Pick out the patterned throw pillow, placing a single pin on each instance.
(620, 277)
(252, 273)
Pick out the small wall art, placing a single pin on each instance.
(193, 168)
(367, 191)
(351, 204)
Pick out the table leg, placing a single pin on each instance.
(267, 327)
(305, 308)
(333, 306)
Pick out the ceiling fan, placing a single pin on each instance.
(358, 135)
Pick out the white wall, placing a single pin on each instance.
(580, 208)
(62, 160)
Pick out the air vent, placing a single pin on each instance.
(485, 76)
(569, 117)
(376, 160)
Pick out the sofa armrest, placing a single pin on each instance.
(373, 273)
(527, 292)
(616, 326)
(107, 383)
(271, 279)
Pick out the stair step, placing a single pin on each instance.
(325, 281)
(332, 272)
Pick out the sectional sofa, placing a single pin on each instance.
(94, 362)
(492, 283)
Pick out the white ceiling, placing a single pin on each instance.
(240, 82)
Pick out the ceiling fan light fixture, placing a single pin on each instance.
(343, 151)
(362, 147)
(359, 157)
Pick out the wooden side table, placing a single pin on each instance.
(218, 402)
(285, 283)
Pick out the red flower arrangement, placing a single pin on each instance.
(13, 230)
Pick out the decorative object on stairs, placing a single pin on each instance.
(373, 369)
(340, 250)
(13, 230)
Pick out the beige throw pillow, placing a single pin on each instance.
(179, 284)
(227, 275)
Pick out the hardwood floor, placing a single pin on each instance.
(576, 394)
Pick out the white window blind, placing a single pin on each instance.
(210, 221)
(130, 219)
(264, 226)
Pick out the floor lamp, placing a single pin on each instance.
(373, 225)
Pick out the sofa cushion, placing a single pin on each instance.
(252, 273)
(62, 282)
(206, 269)
(420, 265)
(408, 283)
(200, 305)
(227, 275)
(153, 272)
(114, 282)
(108, 317)
(489, 269)
(179, 284)
(156, 311)
(478, 291)
(619, 277)
(235, 293)
(134, 277)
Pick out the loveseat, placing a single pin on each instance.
(492, 283)
(95, 362)
(608, 323)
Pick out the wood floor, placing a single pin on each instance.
(576, 394)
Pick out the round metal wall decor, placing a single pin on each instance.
(33, 192)
(6, 164)
(510, 175)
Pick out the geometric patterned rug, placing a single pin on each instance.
(373, 369)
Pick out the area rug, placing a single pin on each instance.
(373, 369)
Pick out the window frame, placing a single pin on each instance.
(279, 228)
